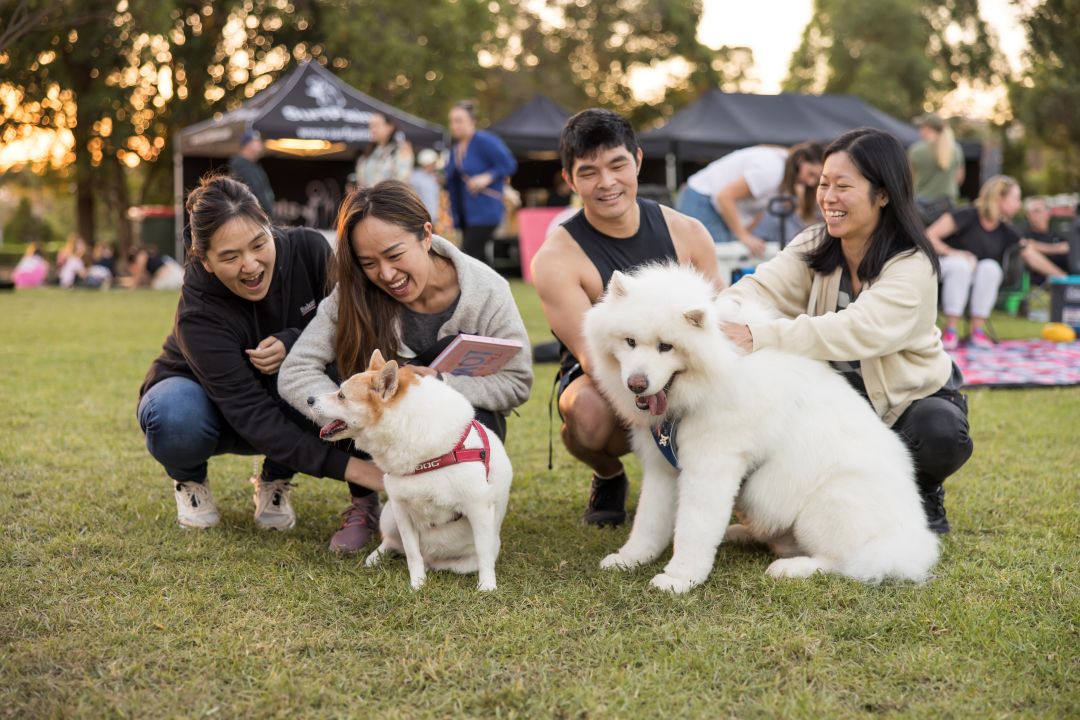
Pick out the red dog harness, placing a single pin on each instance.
(461, 454)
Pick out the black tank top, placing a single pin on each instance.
(651, 242)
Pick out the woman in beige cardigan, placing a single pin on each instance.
(861, 293)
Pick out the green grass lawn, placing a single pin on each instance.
(108, 609)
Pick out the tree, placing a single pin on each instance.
(417, 56)
(585, 53)
(897, 55)
(26, 227)
(1047, 97)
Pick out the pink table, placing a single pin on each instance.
(533, 224)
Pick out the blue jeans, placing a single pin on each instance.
(700, 207)
(184, 429)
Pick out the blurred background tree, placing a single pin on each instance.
(123, 76)
(901, 56)
(1046, 99)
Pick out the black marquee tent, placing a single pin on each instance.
(313, 126)
(533, 128)
(719, 123)
(532, 134)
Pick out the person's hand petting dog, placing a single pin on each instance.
(740, 335)
(268, 356)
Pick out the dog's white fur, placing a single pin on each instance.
(827, 484)
(444, 519)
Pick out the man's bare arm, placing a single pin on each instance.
(558, 280)
(694, 246)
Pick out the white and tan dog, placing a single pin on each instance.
(447, 477)
(783, 439)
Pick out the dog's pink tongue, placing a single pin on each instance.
(657, 403)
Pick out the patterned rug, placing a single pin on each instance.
(1020, 363)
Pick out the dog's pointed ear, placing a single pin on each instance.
(386, 384)
(695, 317)
(376, 362)
(617, 285)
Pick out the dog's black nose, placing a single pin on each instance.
(310, 400)
(637, 383)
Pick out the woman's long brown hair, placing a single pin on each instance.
(368, 318)
(797, 155)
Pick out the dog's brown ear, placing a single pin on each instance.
(376, 362)
(386, 384)
(695, 317)
(617, 285)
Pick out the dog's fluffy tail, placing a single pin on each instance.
(909, 554)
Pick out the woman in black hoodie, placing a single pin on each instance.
(249, 290)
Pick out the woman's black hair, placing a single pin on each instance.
(218, 200)
(880, 158)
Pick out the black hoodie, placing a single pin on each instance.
(213, 328)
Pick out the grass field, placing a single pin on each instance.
(108, 609)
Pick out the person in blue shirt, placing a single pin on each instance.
(479, 166)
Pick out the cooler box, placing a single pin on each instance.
(1065, 300)
(533, 225)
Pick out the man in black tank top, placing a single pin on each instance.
(614, 231)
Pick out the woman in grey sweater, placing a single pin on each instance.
(406, 292)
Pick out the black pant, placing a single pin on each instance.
(474, 240)
(935, 430)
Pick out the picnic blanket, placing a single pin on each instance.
(1020, 363)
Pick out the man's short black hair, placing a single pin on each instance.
(593, 130)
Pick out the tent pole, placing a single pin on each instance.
(671, 172)
(178, 203)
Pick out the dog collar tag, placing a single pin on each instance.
(664, 437)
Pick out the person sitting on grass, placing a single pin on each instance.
(971, 243)
(616, 230)
(1044, 253)
(249, 290)
(407, 293)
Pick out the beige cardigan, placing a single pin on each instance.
(890, 327)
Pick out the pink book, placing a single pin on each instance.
(475, 355)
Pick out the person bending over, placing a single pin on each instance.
(730, 195)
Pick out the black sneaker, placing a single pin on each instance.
(607, 501)
(933, 501)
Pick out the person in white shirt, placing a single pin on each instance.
(730, 194)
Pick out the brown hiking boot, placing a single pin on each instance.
(358, 523)
(607, 501)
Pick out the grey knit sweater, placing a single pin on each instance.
(485, 307)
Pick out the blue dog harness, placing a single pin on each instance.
(664, 437)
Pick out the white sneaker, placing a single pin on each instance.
(273, 511)
(195, 507)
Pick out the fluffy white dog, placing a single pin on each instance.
(784, 440)
(447, 476)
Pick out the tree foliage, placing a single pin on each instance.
(124, 76)
(26, 227)
(586, 53)
(1046, 100)
(899, 55)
